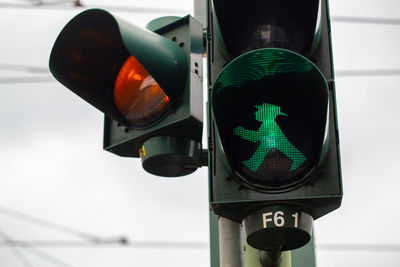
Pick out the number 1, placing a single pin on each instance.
(296, 219)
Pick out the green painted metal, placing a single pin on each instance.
(321, 192)
(92, 47)
(214, 240)
(170, 156)
(304, 256)
(160, 56)
(89, 53)
(185, 118)
(161, 22)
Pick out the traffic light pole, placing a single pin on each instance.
(234, 252)
(228, 249)
(231, 247)
(256, 258)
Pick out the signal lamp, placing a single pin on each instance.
(148, 83)
(275, 135)
(138, 96)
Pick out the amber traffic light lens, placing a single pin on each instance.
(138, 96)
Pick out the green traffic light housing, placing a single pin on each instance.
(148, 83)
(93, 47)
(274, 159)
(292, 25)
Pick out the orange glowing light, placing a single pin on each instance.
(138, 96)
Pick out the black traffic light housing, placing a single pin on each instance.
(282, 25)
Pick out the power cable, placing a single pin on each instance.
(46, 257)
(13, 247)
(360, 247)
(156, 244)
(132, 9)
(61, 228)
(358, 73)
(368, 20)
(41, 2)
(53, 2)
(38, 253)
(26, 79)
(338, 73)
(53, 5)
(23, 68)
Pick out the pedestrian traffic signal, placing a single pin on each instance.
(274, 156)
(277, 108)
(147, 83)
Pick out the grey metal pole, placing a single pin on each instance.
(231, 243)
(270, 258)
(257, 258)
(200, 11)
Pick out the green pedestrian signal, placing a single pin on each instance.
(274, 162)
(269, 136)
(278, 106)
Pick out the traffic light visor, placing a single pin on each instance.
(277, 103)
(287, 24)
(129, 73)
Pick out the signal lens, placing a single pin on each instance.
(269, 24)
(277, 103)
(138, 96)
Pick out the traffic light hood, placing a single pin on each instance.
(91, 49)
(292, 25)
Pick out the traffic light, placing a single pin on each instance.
(148, 83)
(274, 162)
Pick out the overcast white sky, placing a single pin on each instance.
(52, 165)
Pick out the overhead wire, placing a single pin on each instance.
(359, 247)
(94, 239)
(338, 73)
(376, 72)
(137, 244)
(15, 250)
(132, 9)
(122, 241)
(367, 20)
(137, 9)
(31, 249)
(23, 68)
(44, 256)
(27, 79)
(45, 79)
(191, 245)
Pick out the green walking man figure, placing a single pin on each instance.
(270, 136)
